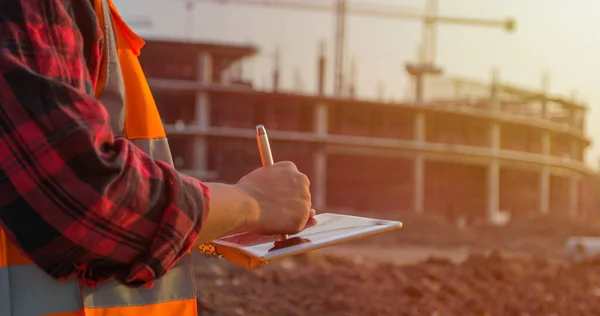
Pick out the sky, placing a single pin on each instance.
(556, 36)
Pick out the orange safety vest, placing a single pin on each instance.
(25, 290)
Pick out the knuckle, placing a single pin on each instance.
(306, 179)
(286, 164)
(302, 178)
(308, 197)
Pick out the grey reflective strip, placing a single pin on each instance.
(156, 148)
(5, 303)
(113, 96)
(32, 292)
(177, 284)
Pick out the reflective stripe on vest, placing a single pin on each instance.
(139, 121)
(25, 290)
(125, 93)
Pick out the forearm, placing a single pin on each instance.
(231, 210)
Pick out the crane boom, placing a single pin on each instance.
(342, 7)
(376, 10)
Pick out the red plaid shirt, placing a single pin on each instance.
(77, 200)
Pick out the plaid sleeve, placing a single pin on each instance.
(76, 200)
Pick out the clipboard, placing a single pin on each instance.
(254, 251)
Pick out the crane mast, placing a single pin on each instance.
(340, 47)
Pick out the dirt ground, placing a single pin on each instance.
(427, 268)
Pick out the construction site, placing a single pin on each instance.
(488, 178)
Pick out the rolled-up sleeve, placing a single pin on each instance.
(75, 199)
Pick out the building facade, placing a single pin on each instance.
(481, 150)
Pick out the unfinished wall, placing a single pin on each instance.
(520, 138)
(561, 145)
(388, 122)
(457, 129)
(182, 152)
(349, 119)
(230, 110)
(588, 197)
(232, 158)
(560, 194)
(455, 189)
(286, 115)
(519, 191)
(175, 106)
(369, 183)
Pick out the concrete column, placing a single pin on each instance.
(493, 189)
(419, 163)
(419, 182)
(574, 195)
(321, 119)
(495, 136)
(202, 112)
(545, 190)
(319, 180)
(420, 128)
(419, 93)
(226, 77)
(205, 69)
(493, 176)
(546, 143)
(545, 175)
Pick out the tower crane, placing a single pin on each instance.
(342, 8)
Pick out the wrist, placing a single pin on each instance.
(250, 209)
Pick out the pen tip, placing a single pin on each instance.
(260, 129)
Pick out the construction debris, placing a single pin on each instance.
(486, 282)
(535, 234)
(481, 285)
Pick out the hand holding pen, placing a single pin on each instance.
(266, 157)
(281, 193)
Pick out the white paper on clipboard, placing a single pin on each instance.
(254, 251)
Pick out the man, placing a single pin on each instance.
(78, 200)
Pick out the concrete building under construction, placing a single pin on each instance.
(472, 151)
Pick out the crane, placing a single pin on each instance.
(343, 7)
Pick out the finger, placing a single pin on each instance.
(286, 164)
(310, 223)
(312, 213)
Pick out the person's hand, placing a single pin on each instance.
(283, 197)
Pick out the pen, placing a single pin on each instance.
(264, 148)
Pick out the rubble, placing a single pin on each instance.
(483, 284)
(488, 282)
(536, 234)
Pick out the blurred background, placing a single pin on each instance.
(472, 121)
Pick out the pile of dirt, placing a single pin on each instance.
(489, 284)
(485, 283)
(538, 234)
(547, 226)
(535, 234)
